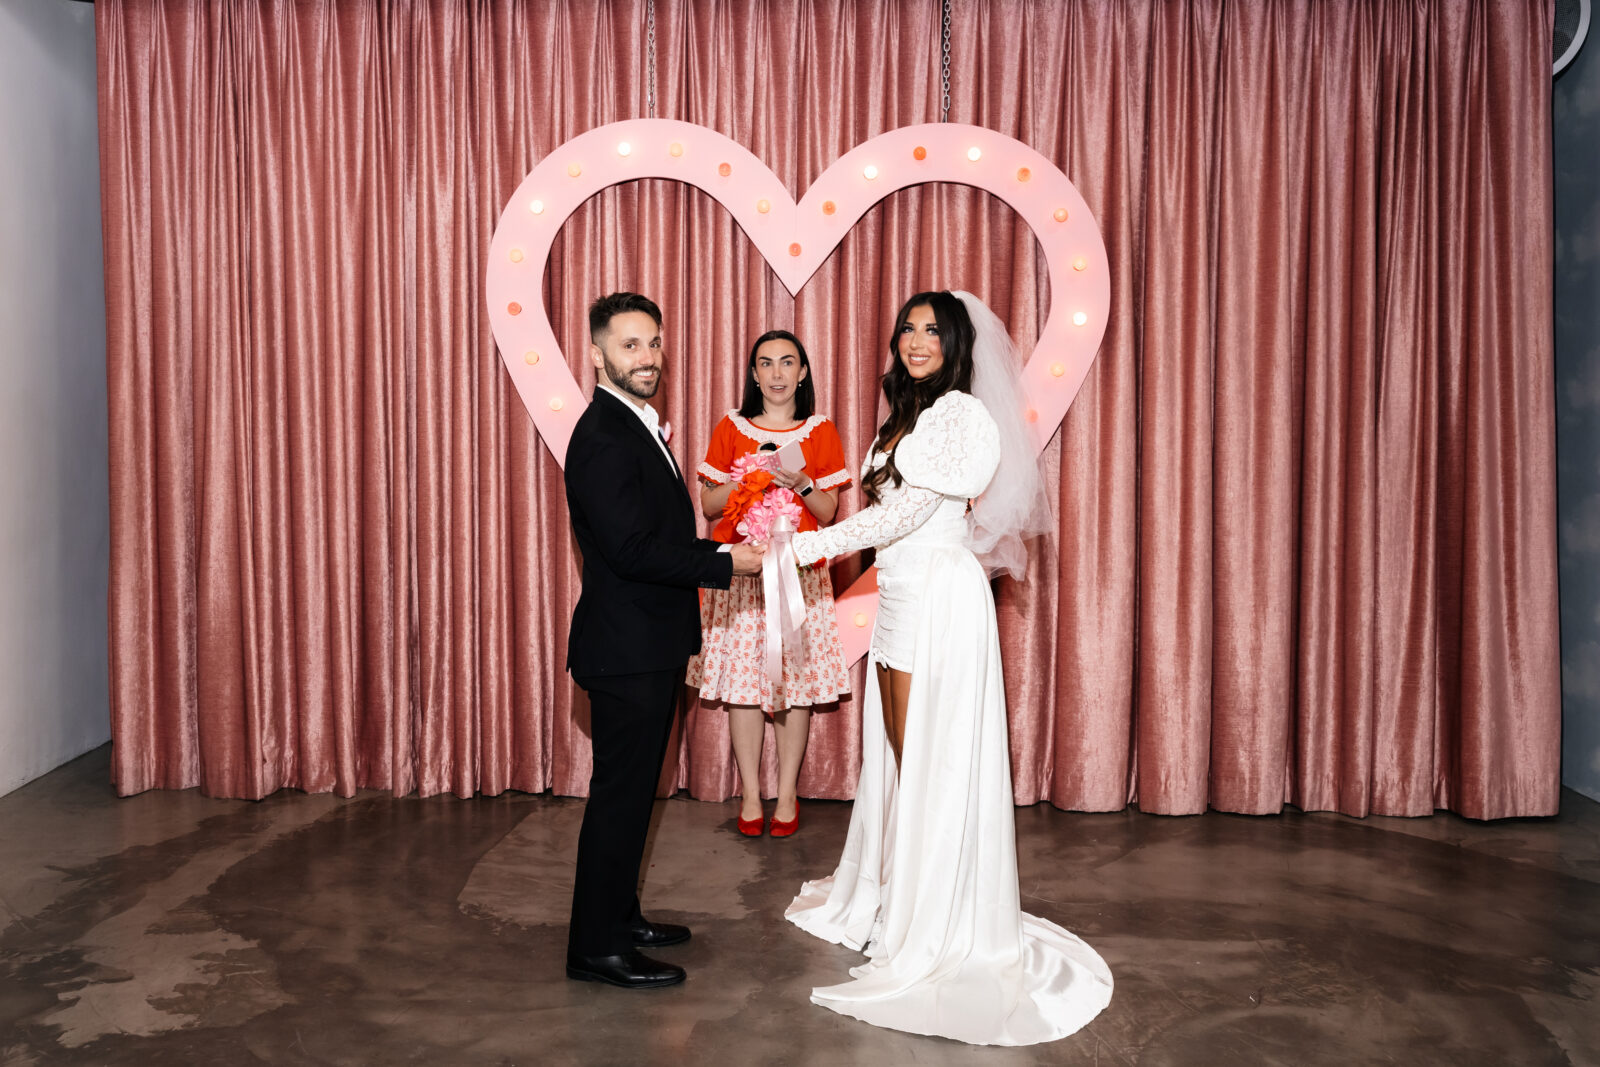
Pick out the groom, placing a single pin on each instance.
(636, 625)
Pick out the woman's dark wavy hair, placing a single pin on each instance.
(805, 396)
(906, 396)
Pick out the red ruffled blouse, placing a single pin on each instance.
(735, 435)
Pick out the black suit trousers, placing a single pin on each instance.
(630, 719)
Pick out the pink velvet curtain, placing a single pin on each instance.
(1306, 496)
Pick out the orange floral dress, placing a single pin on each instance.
(730, 668)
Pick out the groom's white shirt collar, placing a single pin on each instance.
(652, 422)
(647, 415)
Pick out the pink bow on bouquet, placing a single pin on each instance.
(784, 600)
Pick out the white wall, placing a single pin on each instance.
(54, 512)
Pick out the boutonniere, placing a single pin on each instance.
(666, 432)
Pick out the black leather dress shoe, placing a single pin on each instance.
(647, 934)
(630, 970)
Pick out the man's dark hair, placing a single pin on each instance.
(608, 307)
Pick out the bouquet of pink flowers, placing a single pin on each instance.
(754, 461)
(758, 519)
(756, 503)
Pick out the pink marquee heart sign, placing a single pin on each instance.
(795, 238)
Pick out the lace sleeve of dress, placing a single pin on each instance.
(903, 511)
(954, 448)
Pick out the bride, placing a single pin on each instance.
(927, 884)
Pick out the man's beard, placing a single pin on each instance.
(627, 384)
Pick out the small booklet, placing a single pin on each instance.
(790, 458)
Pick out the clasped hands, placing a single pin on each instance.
(747, 557)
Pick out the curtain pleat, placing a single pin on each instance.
(1306, 542)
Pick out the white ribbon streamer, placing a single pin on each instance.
(785, 602)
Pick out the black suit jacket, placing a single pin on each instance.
(642, 563)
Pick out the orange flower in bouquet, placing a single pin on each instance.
(754, 479)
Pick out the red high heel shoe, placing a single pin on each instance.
(785, 829)
(753, 827)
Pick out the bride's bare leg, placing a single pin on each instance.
(894, 690)
(900, 681)
(747, 727)
(886, 706)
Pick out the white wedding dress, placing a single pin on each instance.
(927, 884)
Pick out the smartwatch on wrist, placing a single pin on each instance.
(807, 490)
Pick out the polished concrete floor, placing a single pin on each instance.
(172, 929)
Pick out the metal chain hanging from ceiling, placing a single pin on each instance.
(944, 67)
(650, 50)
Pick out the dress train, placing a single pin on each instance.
(927, 884)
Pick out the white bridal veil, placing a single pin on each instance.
(1014, 508)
